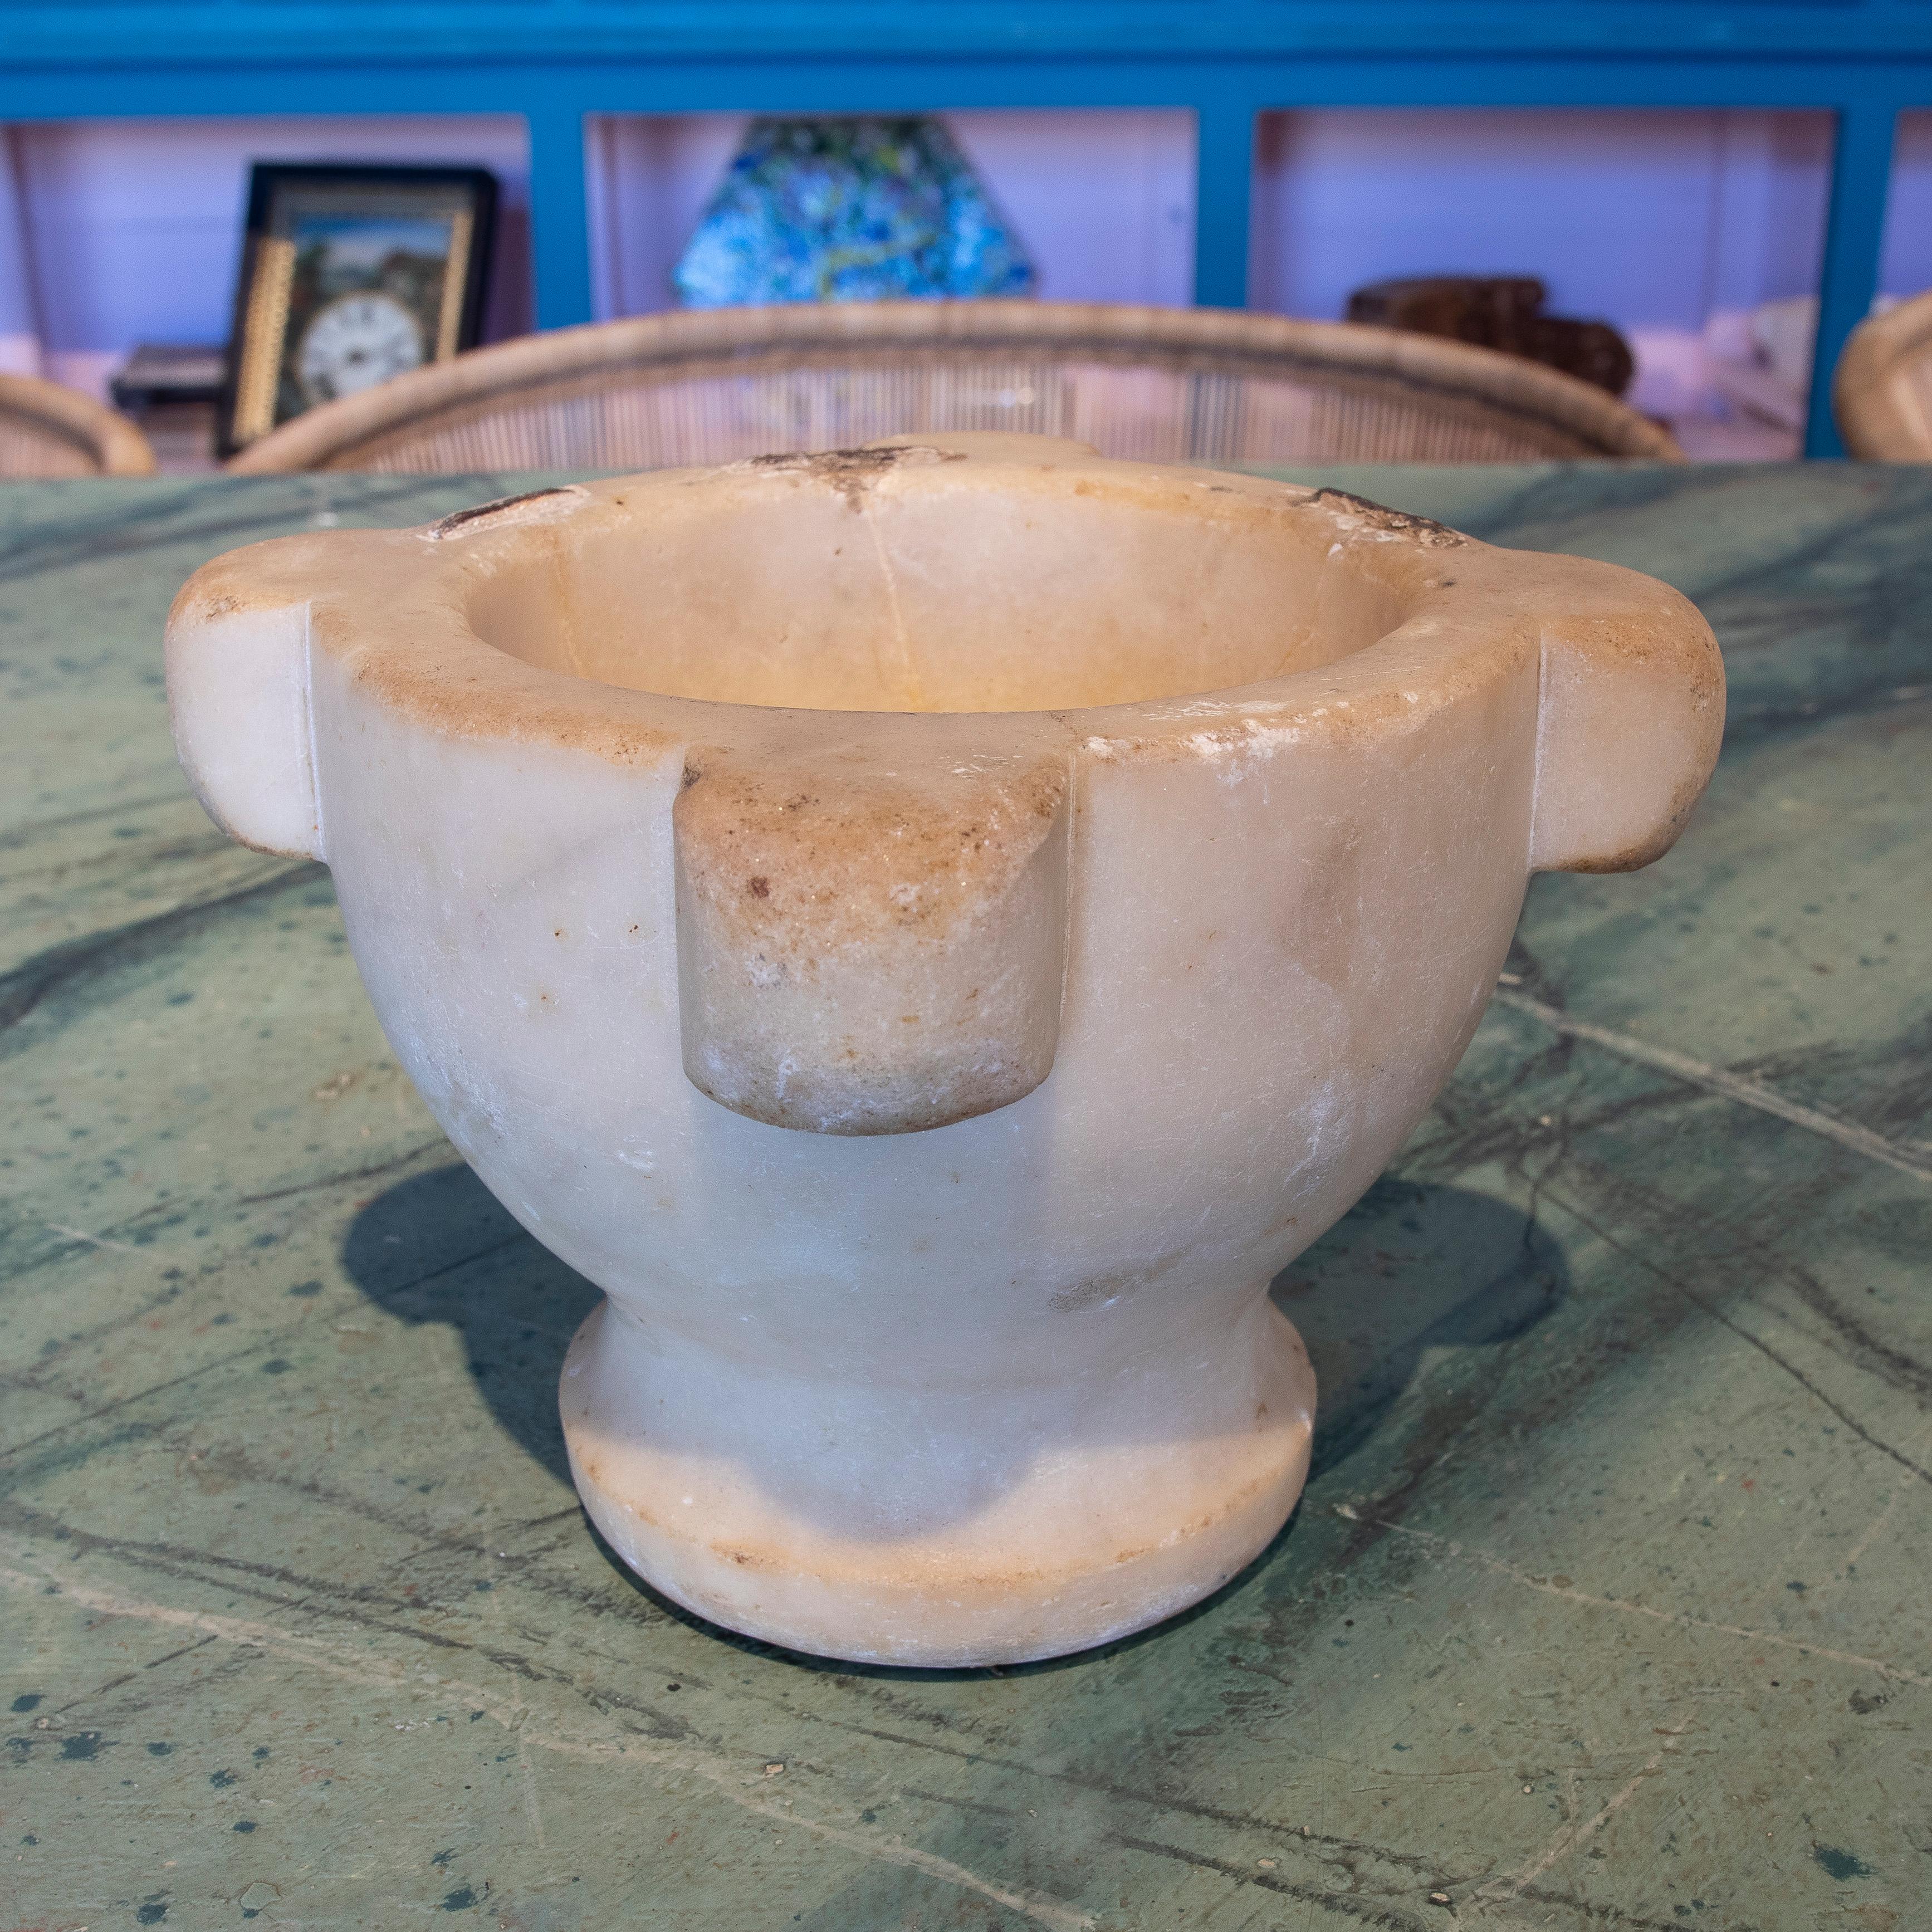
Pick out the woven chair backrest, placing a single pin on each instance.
(48, 430)
(1157, 384)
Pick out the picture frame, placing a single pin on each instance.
(352, 273)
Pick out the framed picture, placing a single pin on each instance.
(351, 274)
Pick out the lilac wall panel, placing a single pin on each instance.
(650, 178)
(1104, 200)
(20, 299)
(135, 225)
(1649, 218)
(1907, 269)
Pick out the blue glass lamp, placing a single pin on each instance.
(850, 210)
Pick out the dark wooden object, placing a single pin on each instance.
(1502, 312)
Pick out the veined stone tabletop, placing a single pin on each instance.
(1605, 1606)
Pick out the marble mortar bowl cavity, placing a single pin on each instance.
(932, 931)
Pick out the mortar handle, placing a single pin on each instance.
(872, 935)
(237, 651)
(1631, 714)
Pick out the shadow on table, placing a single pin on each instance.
(1413, 1266)
(440, 1247)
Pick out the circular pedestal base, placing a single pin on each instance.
(887, 1527)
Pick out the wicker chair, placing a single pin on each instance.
(1882, 389)
(1162, 385)
(48, 430)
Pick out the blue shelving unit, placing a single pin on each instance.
(558, 62)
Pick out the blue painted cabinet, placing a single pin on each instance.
(557, 62)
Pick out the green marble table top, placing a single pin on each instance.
(1606, 1606)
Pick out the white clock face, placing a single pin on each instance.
(356, 342)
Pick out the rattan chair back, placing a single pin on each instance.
(1882, 389)
(1203, 386)
(46, 429)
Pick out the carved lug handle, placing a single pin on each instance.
(864, 950)
(237, 672)
(1630, 715)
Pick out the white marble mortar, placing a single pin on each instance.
(932, 932)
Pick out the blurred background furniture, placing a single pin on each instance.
(1883, 390)
(171, 391)
(559, 66)
(1175, 385)
(48, 430)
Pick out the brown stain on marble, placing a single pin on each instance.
(1425, 530)
(826, 867)
(852, 472)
